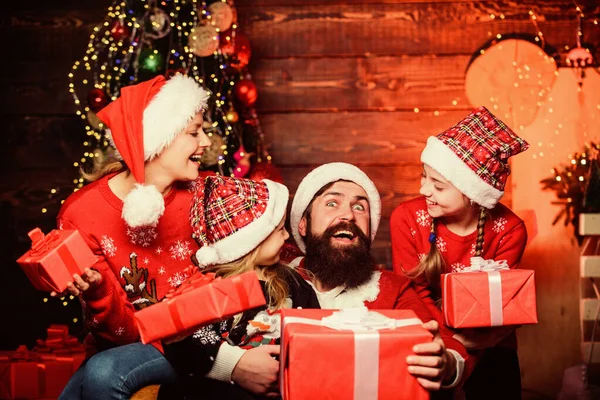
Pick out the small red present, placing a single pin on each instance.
(489, 294)
(349, 354)
(60, 346)
(26, 374)
(55, 258)
(200, 300)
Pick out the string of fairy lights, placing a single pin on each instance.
(121, 41)
(496, 38)
(138, 39)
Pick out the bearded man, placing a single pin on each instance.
(334, 218)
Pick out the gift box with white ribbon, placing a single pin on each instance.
(352, 354)
(489, 293)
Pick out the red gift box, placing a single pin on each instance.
(55, 258)
(489, 296)
(60, 346)
(28, 375)
(352, 354)
(200, 300)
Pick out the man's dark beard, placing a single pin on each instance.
(350, 265)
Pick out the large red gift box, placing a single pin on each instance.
(490, 296)
(200, 300)
(55, 258)
(353, 354)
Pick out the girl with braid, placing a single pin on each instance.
(458, 217)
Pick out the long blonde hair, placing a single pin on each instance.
(273, 275)
(102, 167)
(432, 265)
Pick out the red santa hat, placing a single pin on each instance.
(473, 156)
(321, 176)
(143, 122)
(230, 217)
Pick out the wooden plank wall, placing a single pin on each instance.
(339, 80)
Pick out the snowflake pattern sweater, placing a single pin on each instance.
(505, 237)
(213, 350)
(138, 265)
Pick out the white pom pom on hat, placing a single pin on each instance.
(143, 206)
(207, 255)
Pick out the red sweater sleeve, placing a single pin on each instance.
(109, 314)
(512, 245)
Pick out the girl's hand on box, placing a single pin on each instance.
(88, 280)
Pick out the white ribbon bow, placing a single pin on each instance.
(492, 268)
(361, 319)
(479, 264)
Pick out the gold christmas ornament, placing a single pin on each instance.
(211, 155)
(203, 40)
(221, 15)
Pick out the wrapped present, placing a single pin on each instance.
(350, 354)
(55, 258)
(202, 299)
(488, 293)
(26, 374)
(60, 346)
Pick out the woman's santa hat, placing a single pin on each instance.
(230, 217)
(473, 156)
(323, 175)
(143, 122)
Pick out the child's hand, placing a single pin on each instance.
(483, 338)
(432, 365)
(90, 279)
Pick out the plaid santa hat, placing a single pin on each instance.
(321, 176)
(230, 217)
(143, 122)
(473, 156)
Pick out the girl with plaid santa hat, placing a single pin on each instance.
(465, 170)
(130, 216)
(239, 225)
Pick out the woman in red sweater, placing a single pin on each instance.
(131, 217)
(458, 217)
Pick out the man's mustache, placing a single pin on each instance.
(347, 226)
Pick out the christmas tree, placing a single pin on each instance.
(576, 185)
(140, 39)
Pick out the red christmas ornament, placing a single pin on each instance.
(97, 100)
(237, 47)
(243, 162)
(118, 31)
(264, 170)
(245, 91)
